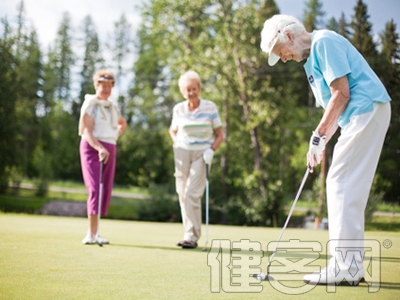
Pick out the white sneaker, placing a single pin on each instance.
(332, 276)
(88, 240)
(100, 240)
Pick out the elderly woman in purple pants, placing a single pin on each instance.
(100, 125)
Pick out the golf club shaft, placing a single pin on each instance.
(207, 204)
(289, 215)
(100, 197)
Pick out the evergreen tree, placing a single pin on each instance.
(28, 69)
(57, 79)
(120, 48)
(362, 33)
(90, 64)
(8, 90)
(267, 9)
(333, 25)
(33, 112)
(61, 61)
(343, 26)
(389, 167)
(313, 15)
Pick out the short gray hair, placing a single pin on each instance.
(273, 30)
(189, 75)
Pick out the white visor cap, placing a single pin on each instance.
(271, 33)
(272, 57)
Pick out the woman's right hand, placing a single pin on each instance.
(104, 155)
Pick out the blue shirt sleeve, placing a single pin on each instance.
(332, 59)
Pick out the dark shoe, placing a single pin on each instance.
(189, 245)
(179, 244)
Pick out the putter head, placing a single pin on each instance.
(263, 277)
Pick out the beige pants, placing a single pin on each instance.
(190, 179)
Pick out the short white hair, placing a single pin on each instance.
(189, 75)
(273, 33)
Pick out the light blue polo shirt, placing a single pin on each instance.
(332, 56)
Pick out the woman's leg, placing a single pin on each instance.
(349, 181)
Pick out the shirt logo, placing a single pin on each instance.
(311, 79)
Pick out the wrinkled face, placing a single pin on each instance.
(191, 90)
(103, 89)
(288, 51)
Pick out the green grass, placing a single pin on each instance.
(389, 207)
(80, 185)
(27, 202)
(306, 201)
(384, 223)
(41, 257)
(384, 207)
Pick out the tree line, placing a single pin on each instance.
(268, 114)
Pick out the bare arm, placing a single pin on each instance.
(121, 125)
(219, 138)
(172, 134)
(340, 92)
(340, 96)
(88, 123)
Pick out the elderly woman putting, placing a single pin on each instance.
(355, 100)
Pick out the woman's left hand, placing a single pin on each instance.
(104, 155)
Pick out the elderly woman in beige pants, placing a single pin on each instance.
(196, 131)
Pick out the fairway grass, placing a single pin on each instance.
(41, 257)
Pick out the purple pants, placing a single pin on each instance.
(91, 176)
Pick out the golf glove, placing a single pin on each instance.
(208, 156)
(317, 146)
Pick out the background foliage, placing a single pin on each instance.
(268, 113)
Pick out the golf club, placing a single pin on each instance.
(263, 276)
(100, 198)
(205, 247)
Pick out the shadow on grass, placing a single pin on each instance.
(198, 249)
(390, 259)
(390, 285)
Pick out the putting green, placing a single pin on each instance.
(41, 257)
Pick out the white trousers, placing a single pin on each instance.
(190, 180)
(350, 177)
